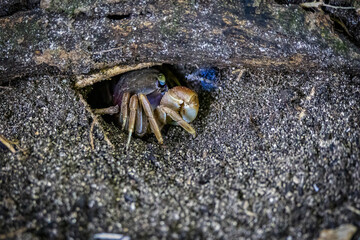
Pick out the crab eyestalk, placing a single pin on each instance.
(184, 102)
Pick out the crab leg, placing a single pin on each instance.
(124, 108)
(141, 122)
(178, 119)
(133, 109)
(149, 113)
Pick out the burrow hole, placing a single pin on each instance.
(204, 81)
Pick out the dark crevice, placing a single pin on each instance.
(10, 7)
(118, 16)
(345, 21)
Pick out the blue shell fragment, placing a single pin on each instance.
(206, 76)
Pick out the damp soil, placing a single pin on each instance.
(276, 156)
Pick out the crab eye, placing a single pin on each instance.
(161, 79)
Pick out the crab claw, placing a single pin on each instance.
(179, 106)
(182, 100)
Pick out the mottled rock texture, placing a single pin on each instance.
(76, 37)
(278, 145)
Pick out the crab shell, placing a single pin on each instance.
(184, 100)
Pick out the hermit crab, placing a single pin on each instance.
(145, 104)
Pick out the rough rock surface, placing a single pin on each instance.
(276, 156)
(82, 36)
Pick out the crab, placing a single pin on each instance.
(146, 104)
